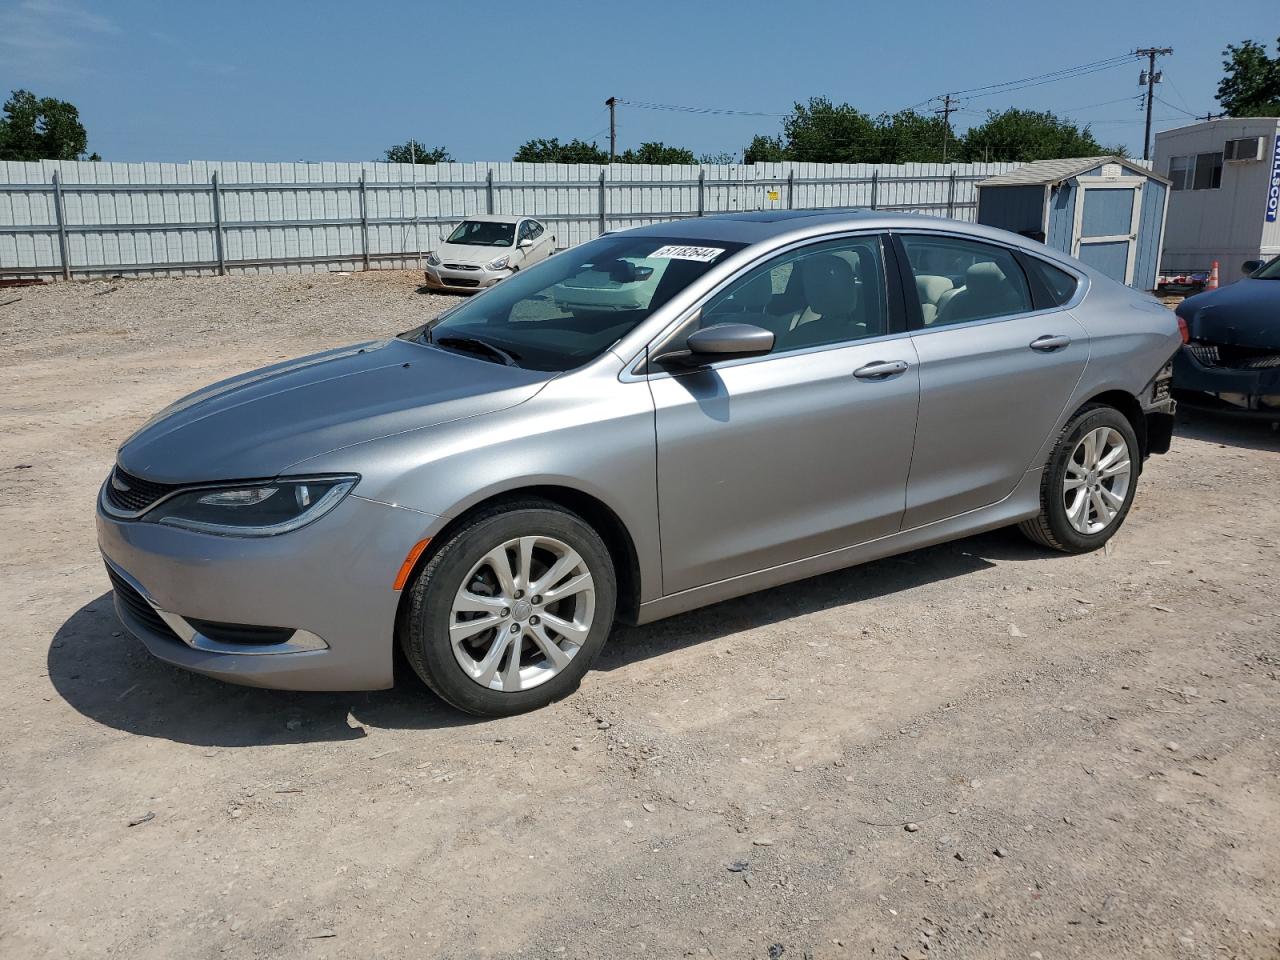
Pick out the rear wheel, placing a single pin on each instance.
(508, 615)
(1089, 482)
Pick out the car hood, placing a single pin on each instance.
(259, 424)
(470, 253)
(1245, 314)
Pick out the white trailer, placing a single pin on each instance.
(1224, 201)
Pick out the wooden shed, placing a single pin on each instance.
(1108, 212)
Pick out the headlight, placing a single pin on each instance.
(432, 259)
(499, 264)
(255, 509)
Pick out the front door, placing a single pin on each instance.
(1106, 224)
(771, 459)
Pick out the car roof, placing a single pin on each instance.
(496, 218)
(761, 226)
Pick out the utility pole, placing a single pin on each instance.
(612, 104)
(1150, 77)
(946, 112)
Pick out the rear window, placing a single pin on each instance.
(1060, 285)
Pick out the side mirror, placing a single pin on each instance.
(725, 340)
(524, 243)
(1251, 266)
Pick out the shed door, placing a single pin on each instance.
(1106, 227)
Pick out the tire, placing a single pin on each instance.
(1057, 526)
(477, 673)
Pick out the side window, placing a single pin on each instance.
(830, 292)
(962, 280)
(1060, 285)
(535, 229)
(524, 229)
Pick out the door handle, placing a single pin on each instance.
(881, 369)
(1048, 343)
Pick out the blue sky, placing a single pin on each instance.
(342, 81)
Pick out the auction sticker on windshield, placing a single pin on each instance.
(674, 252)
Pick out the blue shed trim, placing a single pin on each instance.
(1062, 214)
(1150, 227)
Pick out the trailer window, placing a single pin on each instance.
(1208, 171)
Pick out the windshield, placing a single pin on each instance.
(570, 308)
(1270, 272)
(483, 233)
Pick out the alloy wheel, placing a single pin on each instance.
(522, 613)
(1097, 480)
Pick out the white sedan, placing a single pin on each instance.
(485, 249)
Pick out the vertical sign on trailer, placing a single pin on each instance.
(1273, 193)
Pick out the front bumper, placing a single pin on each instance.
(1246, 390)
(463, 281)
(330, 582)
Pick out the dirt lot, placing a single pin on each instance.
(1088, 748)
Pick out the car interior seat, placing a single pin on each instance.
(830, 309)
(987, 292)
(932, 289)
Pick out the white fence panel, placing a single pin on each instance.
(206, 217)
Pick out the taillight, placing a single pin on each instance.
(1182, 329)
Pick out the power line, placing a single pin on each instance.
(1172, 106)
(1064, 73)
(677, 108)
(1104, 103)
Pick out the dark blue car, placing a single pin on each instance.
(1232, 353)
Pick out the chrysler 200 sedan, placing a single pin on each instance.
(799, 392)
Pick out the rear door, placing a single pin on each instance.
(998, 363)
(766, 460)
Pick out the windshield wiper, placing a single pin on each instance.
(476, 345)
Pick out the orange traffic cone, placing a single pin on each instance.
(1213, 278)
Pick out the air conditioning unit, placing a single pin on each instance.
(1246, 148)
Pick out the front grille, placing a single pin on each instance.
(131, 494)
(137, 607)
(461, 282)
(462, 266)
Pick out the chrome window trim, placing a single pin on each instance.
(634, 369)
(1082, 280)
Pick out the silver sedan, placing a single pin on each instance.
(653, 421)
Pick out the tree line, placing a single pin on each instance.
(822, 131)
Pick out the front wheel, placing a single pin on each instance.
(1088, 483)
(509, 613)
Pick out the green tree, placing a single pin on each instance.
(823, 132)
(765, 149)
(657, 153)
(1250, 84)
(553, 151)
(1020, 136)
(411, 151)
(41, 128)
(910, 137)
(720, 156)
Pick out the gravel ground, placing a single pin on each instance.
(975, 750)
